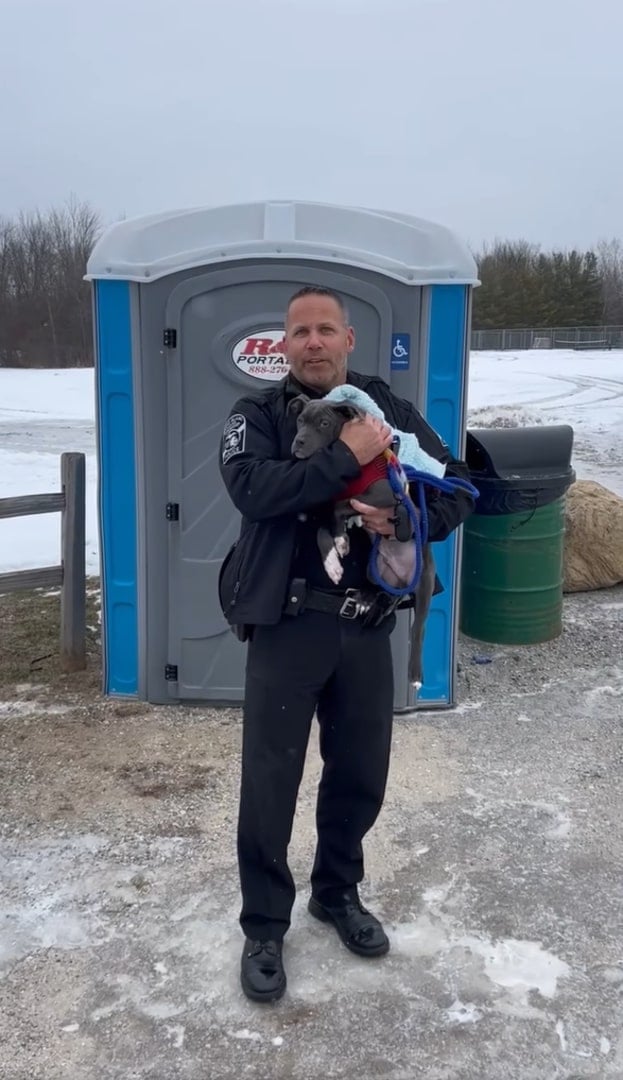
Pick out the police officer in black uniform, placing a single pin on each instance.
(306, 653)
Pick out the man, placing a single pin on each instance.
(304, 655)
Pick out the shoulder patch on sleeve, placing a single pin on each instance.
(234, 436)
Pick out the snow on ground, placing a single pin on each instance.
(584, 389)
(43, 413)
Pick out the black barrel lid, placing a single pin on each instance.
(517, 455)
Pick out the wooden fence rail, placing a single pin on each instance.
(71, 574)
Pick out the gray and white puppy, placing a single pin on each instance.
(319, 423)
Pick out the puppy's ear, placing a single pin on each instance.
(349, 412)
(296, 406)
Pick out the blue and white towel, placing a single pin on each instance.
(409, 452)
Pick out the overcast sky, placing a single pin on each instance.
(495, 117)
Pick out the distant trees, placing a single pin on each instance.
(524, 287)
(610, 261)
(45, 305)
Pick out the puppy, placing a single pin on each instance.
(319, 423)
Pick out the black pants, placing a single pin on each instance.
(307, 662)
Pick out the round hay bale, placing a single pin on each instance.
(593, 552)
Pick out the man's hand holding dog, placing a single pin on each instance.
(375, 519)
(366, 438)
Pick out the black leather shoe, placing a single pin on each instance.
(261, 971)
(360, 931)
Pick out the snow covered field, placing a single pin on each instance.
(43, 413)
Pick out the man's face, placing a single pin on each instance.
(317, 342)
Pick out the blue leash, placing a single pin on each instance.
(419, 522)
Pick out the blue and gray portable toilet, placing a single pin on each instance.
(189, 316)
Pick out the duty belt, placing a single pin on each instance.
(371, 606)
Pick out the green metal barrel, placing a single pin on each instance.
(512, 575)
(513, 546)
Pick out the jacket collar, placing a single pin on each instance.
(292, 387)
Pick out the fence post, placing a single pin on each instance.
(73, 590)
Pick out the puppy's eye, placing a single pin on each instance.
(324, 423)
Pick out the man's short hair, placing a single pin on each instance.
(320, 290)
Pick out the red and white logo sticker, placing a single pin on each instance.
(261, 356)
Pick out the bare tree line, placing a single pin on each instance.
(45, 303)
(610, 261)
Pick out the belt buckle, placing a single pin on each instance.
(351, 607)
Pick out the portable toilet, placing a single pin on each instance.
(189, 308)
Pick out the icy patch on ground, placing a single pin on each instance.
(555, 820)
(467, 706)
(12, 709)
(66, 896)
(520, 966)
(508, 970)
(460, 1013)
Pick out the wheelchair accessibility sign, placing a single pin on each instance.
(401, 352)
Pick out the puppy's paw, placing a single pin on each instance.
(342, 545)
(333, 567)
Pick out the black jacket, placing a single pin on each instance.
(270, 488)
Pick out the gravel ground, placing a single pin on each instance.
(496, 865)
